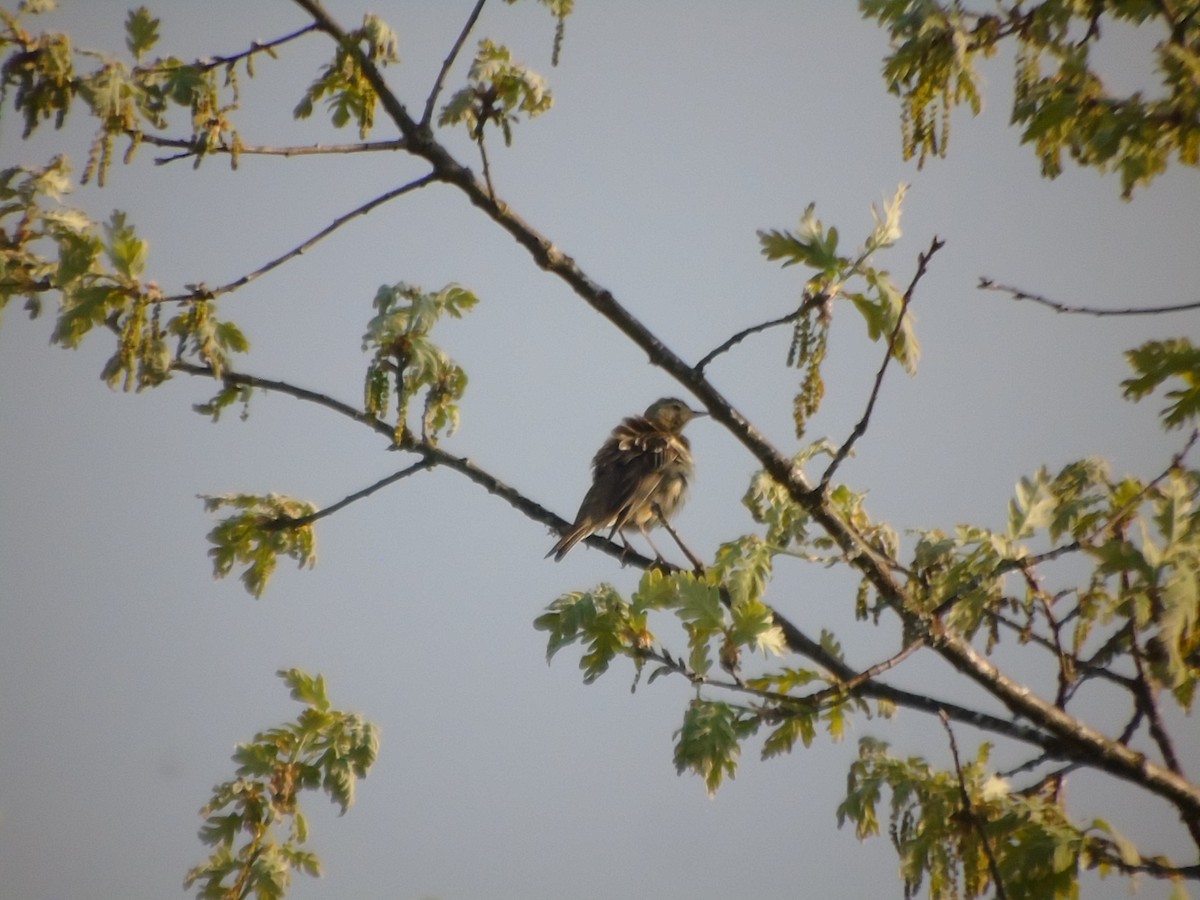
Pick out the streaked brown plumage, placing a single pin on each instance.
(643, 468)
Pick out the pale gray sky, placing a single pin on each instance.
(679, 129)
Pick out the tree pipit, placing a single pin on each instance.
(640, 476)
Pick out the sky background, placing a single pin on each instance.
(678, 130)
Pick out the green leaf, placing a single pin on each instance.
(255, 822)
(709, 741)
(754, 626)
(141, 31)
(306, 688)
(798, 726)
(600, 619)
(698, 602)
(1033, 507)
(258, 534)
(125, 250)
(1157, 362)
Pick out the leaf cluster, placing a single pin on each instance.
(97, 273)
(1060, 99)
(348, 92)
(1157, 362)
(721, 614)
(127, 98)
(404, 359)
(255, 822)
(499, 91)
(262, 529)
(869, 289)
(944, 845)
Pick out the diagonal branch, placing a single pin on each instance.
(986, 284)
(448, 63)
(200, 292)
(861, 427)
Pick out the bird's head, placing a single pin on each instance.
(671, 414)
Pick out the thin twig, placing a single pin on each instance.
(300, 521)
(214, 62)
(697, 565)
(487, 169)
(1088, 668)
(850, 685)
(861, 427)
(1067, 670)
(753, 329)
(200, 292)
(448, 63)
(986, 284)
(188, 146)
(969, 812)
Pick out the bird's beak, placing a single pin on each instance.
(698, 412)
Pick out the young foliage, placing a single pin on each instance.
(1122, 614)
(601, 620)
(878, 301)
(97, 273)
(944, 845)
(708, 742)
(255, 822)
(1157, 362)
(405, 361)
(498, 91)
(127, 99)
(1060, 98)
(258, 533)
(351, 96)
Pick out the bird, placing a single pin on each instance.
(640, 476)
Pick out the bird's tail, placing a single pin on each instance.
(567, 541)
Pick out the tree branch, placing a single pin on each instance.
(214, 62)
(200, 292)
(448, 63)
(1148, 704)
(861, 427)
(986, 284)
(300, 521)
(754, 329)
(969, 812)
(188, 146)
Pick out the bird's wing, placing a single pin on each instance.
(630, 467)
